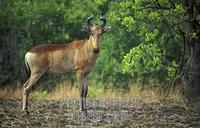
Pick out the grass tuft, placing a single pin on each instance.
(64, 91)
(11, 93)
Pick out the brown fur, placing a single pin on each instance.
(54, 47)
(77, 56)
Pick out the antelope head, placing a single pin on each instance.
(96, 31)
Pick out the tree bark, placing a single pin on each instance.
(191, 79)
(9, 48)
(191, 71)
(10, 69)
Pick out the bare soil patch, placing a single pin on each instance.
(136, 113)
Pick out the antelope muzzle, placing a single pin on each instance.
(96, 50)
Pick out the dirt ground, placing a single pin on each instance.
(122, 113)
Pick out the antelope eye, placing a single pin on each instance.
(92, 34)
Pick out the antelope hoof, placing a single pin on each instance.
(83, 110)
(26, 112)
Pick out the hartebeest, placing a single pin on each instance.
(77, 56)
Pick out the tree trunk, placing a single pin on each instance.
(9, 59)
(9, 54)
(191, 79)
(191, 72)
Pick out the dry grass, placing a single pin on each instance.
(64, 91)
(11, 93)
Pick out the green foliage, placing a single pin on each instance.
(49, 21)
(150, 23)
(40, 95)
(144, 60)
(142, 45)
(100, 2)
(95, 91)
(171, 70)
(151, 35)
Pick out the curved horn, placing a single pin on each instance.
(89, 19)
(104, 21)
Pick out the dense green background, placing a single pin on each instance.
(144, 46)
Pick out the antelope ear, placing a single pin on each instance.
(107, 29)
(85, 28)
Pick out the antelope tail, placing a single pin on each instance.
(26, 72)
